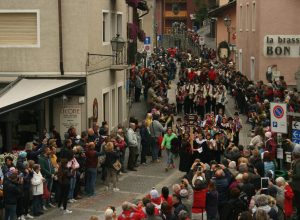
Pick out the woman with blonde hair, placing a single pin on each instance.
(112, 156)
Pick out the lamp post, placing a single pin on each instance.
(227, 23)
(117, 45)
(156, 30)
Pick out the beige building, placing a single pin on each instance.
(52, 79)
(268, 36)
(225, 9)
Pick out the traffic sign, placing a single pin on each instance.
(278, 117)
(296, 125)
(159, 38)
(278, 111)
(147, 40)
(296, 136)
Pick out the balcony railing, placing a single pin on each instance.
(116, 61)
(171, 14)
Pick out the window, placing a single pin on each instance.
(120, 105)
(113, 107)
(241, 18)
(119, 24)
(253, 15)
(19, 28)
(106, 107)
(247, 17)
(113, 25)
(105, 27)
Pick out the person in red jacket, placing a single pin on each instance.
(191, 75)
(91, 168)
(199, 203)
(288, 196)
(212, 75)
(129, 212)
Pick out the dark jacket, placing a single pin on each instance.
(222, 185)
(27, 180)
(177, 208)
(64, 174)
(20, 164)
(212, 203)
(46, 167)
(111, 158)
(295, 183)
(11, 191)
(33, 154)
(232, 209)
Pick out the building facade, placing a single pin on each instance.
(66, 45)
(268, 37)
(222, 33)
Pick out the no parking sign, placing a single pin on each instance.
(278, 117)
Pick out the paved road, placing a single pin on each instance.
(133, 185)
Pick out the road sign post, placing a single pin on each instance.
(279, 125)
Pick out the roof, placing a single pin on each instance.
(217, 11)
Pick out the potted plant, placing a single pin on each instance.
(133, 3)
(132, 30)
(142, 5)
(141, 35)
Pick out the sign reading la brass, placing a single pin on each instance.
(282, 46)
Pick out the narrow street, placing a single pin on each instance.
(135, 185)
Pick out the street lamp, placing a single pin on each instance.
(156, 30)
(227, 23)
(117, 45)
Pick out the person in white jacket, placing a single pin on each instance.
(37, 190)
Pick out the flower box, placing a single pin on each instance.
(132, 30)
(141, 35)
(133, 3)
(142, 5)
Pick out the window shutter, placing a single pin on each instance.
(18, 28)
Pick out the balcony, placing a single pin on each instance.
(180, 14)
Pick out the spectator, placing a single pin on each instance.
(64, 174)
(37, 190)
(91, 168)
(177, 205)
(211, 204)
(133, 147)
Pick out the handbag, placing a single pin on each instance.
(117, 165)
(46, 193)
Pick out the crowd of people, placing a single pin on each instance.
(222, 178)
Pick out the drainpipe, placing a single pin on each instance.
(61, 59)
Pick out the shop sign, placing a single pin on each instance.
(70, 115)
(282, 46)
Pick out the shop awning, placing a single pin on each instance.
(25, 91)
